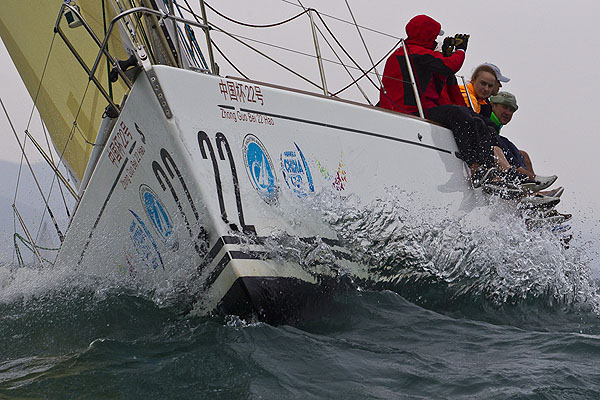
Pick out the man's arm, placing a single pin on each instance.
(435, 62)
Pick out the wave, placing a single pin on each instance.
(484, 258)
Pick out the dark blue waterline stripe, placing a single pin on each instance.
(326, 125)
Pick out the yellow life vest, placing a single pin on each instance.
(476, 103)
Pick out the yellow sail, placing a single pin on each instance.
(71, 109)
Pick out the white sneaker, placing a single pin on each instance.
(543, 182)
(555, 192)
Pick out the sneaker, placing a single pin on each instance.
(507, 191)
(513, 176)
(482, 175)
(538, 222)
(544, 182)
(555, 192)
(554, 213)
(561, 228)
(529, 186)
(566, 239)
(538, 201)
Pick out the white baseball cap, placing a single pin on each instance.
(499, 75)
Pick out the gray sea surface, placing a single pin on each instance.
(480, 308)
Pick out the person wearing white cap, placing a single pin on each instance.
(499, 77)
(482, 84)
(437, 90)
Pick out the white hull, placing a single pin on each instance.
(169, 197)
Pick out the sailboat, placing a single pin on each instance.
(180, 174)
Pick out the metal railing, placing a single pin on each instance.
(102, 45)
(413, 82)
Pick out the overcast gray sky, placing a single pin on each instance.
(547, 48)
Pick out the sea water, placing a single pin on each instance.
(481, 307)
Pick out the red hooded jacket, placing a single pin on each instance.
(433, 72)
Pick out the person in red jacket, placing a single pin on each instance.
(432, 70)
(439, 93)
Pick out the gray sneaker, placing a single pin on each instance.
(554, 192)
(504, 190)
(547, 221)
(482, 175)
(543, 182)
(538, 201)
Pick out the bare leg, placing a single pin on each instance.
(528, 163)
(501, 161)
(504, 165)
(524, 171)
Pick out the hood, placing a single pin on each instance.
(423, 30)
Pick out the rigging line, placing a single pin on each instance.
(74, 126)
(294, 51)
(348, 22)
(189, 10)
(56, 174)
(37, 92)
(27, 243)
(32, 173)
(227, 59)
(345, 67)
(29, 246)
(56, 166)
(341, 63)
(269, 58)
(189, 35)
(253, 25)
(35, 250)
(366, 72)
(363, 42)
(339, 59)
(345, 52)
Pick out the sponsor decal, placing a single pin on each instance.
(296, 172)
(158, 215)
(260, 168)
(340, 180)
(144, 243)
(130, 263)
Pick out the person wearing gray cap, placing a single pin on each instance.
(504, 105)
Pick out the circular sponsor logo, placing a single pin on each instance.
(144, 243)
(296, 172)
(157, 213)
(260, 168)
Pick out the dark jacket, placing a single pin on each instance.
(434, 73)
(512, 153)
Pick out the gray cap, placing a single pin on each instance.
(508, 99)
(499, 75)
